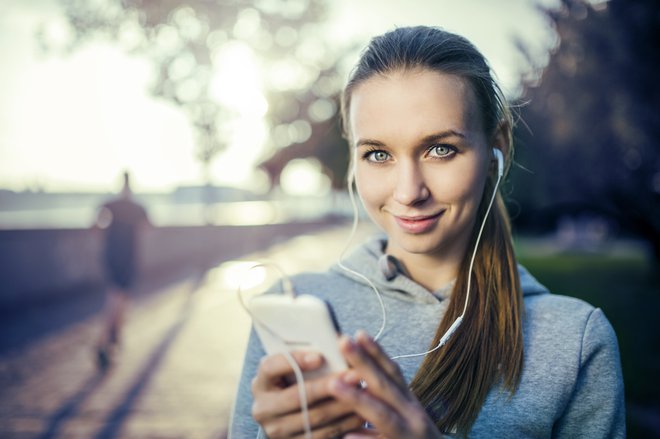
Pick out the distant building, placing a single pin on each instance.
(211, 194)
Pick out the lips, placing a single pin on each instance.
(418, 224)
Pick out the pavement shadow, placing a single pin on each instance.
(122, 411)
(22, 327)
(70, 407)
(25, 325)
(114, 421)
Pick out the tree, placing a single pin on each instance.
(183, 38)
(593, 117)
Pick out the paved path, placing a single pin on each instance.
(178, 367)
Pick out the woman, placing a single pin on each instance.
(425, 119)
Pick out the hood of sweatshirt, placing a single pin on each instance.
(389, 276)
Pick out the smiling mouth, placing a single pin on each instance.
(418, 224)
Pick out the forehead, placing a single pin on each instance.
(410, 104)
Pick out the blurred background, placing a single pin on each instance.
(225, 114)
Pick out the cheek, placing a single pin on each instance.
(372, 195)
(459, 185)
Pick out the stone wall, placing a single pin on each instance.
(37, 265)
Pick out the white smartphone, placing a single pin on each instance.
(301, 323)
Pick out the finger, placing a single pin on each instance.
(381, 358)
(338, 429)
(378, 381)
(411, 420)
(269, 405)
(326, 416)
(388, 422)
(274, 368)
(362, 434)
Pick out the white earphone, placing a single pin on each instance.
(500, 161)
(497, 153)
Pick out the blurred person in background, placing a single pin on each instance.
(121, 220)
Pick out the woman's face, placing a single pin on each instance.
(421, 160)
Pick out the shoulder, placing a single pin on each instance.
(571, 379)
(565, 330)
(327, 285)
(560, 311)
(313, 277)
(354, 304)
(134, 205)
(319, 284)
(110, 204)
(558, 315)
(556, 306)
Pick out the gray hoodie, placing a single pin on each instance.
(571, 385)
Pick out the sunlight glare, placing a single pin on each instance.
(245, 275)
(88, 116)
(304, 177)
(236, 82)
(237, 86)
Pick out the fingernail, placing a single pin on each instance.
(337, 386)
(362, 335)
(351, 378)
(348, 343)
(312, 358)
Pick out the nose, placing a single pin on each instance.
(410, 187)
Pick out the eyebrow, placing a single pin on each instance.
(427, 139)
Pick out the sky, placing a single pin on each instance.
(74, 123)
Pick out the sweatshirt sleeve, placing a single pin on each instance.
(596, 407)
(242, 425)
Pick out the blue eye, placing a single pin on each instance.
(442, 151)
(377, 156)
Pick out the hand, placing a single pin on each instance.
(277, 403)
(385, 402)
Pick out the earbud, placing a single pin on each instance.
(500, 161)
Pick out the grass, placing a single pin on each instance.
(625, 286)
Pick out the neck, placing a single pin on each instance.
(430, 272)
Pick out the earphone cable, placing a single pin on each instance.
(476, 245)
(300, 381)
(340, 262)
(447, 335)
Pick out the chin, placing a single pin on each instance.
(416, 244)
